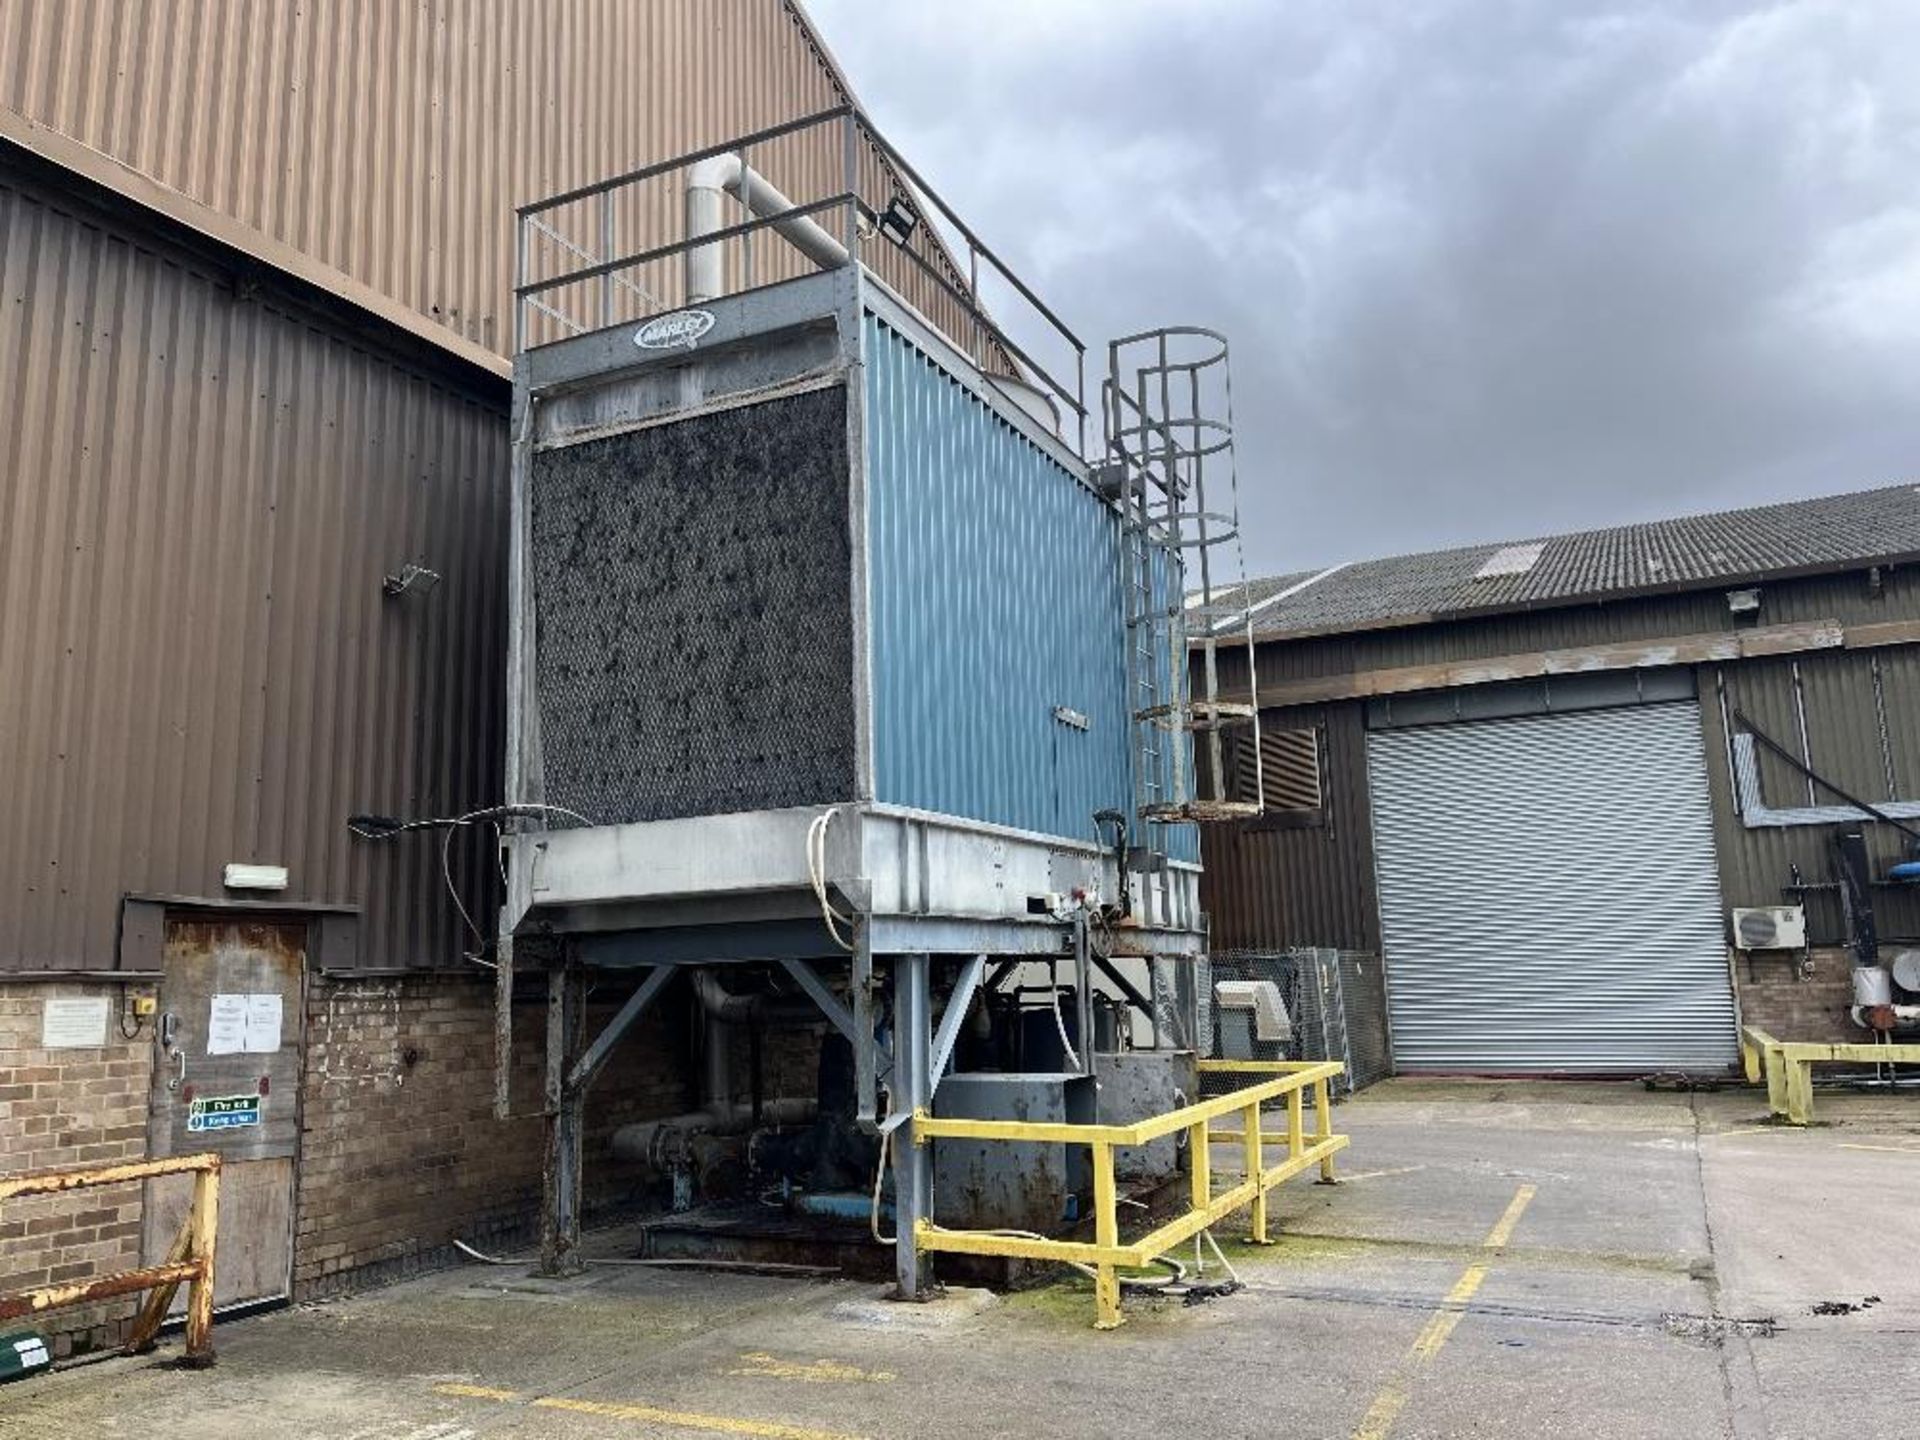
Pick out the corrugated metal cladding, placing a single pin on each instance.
(392, 141)
(1268, 887)
(1846, 598)
(1862, 731)
(994, 595)
(197, 665)
(1548, 894)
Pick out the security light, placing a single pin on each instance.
(898, 221)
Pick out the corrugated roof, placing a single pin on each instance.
(1696, 551)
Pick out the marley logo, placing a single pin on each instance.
(680, 330)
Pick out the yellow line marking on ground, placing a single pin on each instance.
(689, 1420)
(1393, 1396)
(476, 1392)
(1382, 1174)
(814, 1372)
(1503, 1228)
(651, 1415)
(1883, 1149)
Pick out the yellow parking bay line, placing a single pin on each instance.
(476, 1392)
(1883, 1149)
(811, 1372)
(649, 1414)
(1392, 1398)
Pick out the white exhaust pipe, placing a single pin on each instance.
(706, 182)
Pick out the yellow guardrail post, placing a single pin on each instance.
(1255, 1170)
(1106, 1234)
(1200, 1153)
(1323, 1129)
(205, 1220)
(1296, 1127)
(1799, 1085)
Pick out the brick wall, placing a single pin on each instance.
(1792, 999)
(63, 1108)
(400, 1152)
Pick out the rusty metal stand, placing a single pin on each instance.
(565, 1109)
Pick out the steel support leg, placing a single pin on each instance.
(503, 1030)
(565, 1104)
(866, 1066)
(1083, 988)
(912, 1089)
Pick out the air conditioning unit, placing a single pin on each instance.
(1770, 927)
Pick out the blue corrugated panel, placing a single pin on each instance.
(994, 597)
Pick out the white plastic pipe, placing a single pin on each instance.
(722, 175)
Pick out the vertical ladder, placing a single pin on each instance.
(1165, 451)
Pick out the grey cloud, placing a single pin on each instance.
(1489, 269)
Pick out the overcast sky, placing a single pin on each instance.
(1490, 270)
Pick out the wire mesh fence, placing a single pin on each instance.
(1335, 1009)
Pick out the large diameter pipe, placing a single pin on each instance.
(720, 175)
(645, 1140)
(722, 1004)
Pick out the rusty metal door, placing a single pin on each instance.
(227, 1079)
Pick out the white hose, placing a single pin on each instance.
(772, 1267)
(817, 876)
(880, 1174)
(1059, 1023)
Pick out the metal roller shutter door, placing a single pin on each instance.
(1548, 894)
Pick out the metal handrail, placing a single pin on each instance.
(680, 247)
(974, 241)
(988, 339)
(678, 162)
(1105, 1253)
(189, 1262)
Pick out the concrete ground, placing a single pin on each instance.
(1503, 1260)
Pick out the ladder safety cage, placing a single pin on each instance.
(1168, 407)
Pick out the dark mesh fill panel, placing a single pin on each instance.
(694, 631)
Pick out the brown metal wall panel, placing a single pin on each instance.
(392, 140)
(1268, 888)
(199, 494)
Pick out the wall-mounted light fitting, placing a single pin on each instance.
(1743, 602)
(240, 876)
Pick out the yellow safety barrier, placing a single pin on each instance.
(189, 1262)
(1787, 1066)
(1290, 1079)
